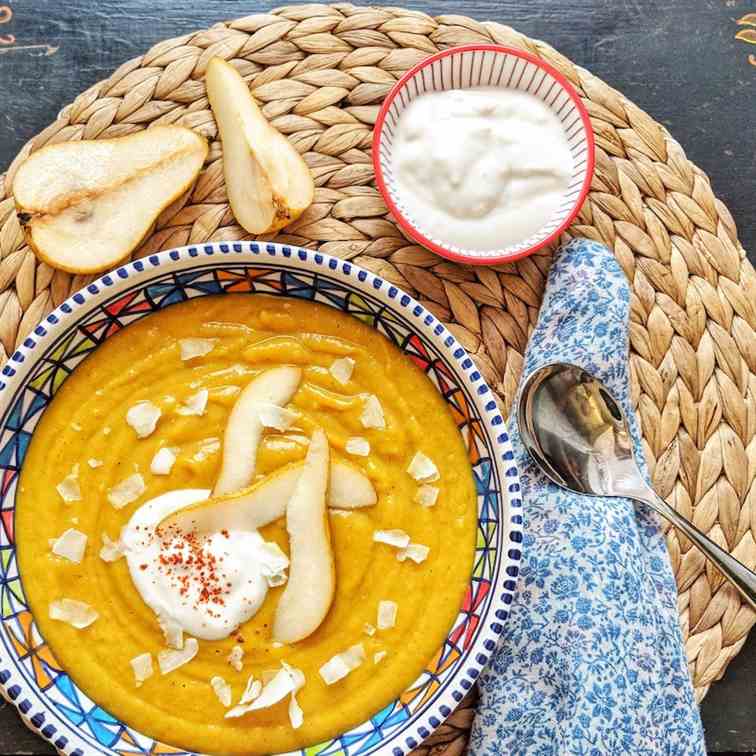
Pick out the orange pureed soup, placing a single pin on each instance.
(85, 440)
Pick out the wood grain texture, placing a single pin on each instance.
(680, 62)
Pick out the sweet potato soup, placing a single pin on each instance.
(374, 580)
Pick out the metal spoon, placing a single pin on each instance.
(577, 434)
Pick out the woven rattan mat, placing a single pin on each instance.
(321, 73)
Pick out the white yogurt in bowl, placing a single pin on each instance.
(484, 167)
(483, 153)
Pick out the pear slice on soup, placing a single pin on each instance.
(245, 425)
(310, 588)
(86, 205)
(265, 502)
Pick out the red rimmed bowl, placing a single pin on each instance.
(497, 66)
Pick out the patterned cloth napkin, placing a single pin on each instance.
(591, 660)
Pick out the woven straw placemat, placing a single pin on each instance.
(321, 72)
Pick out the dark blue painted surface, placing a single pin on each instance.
(677, 59)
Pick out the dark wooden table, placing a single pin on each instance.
(679, 60)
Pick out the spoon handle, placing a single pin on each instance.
(732, 569)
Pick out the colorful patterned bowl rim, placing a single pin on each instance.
(46, 697)
(384, 184)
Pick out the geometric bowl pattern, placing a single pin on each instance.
(46, 697)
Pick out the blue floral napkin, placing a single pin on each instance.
(591, 660)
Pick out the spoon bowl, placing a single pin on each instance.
(577, 433)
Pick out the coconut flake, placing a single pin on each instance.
(354, 656)
(276, 690)
(142, 666)
(70, 545)
(222, 690)
(296, 715)
(273, 416)
(422, 467)
(276, 580)
(143, 417)
(170, 660)
(195, 404)
(111, 551)
(236, 658)
(396, 538)
(426, 496)
(191, 348)
(68, 488)
(163, 461)
(251, 691)
(358, 446)
(342, 369)
(378, 656)
(94, 463)
(415, 551)
(372, 414)
(172, 632)
(273, 564)
(387, 614)
(340, 665)
(273, 692)
(254, 688)
(208, 446)
(334, 670)
(126, 491)
(78, 614)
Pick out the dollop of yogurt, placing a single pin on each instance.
(481, 168)
(207, 584)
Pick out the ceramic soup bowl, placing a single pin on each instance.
(30, 677)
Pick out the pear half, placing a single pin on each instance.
(265, 502)
(244, 428)
(309, 590)
(84, 206)
(268, 183)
